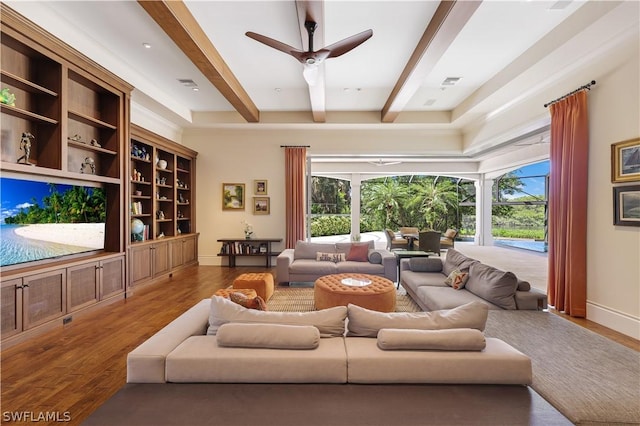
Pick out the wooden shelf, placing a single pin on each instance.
(25, 85)
(26, 115)
(78, 116)
(90, 147)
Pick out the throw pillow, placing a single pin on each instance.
(496, 286)
(450, 233)
(375, 257)
(269, 336)
(367, 323)
(330, 322)
(455, 339)
(359, 253)
(330, 257)
(425, 264)
(457, 279)
(456, 260)
(248, 302)
(523, 285)
(307, 250)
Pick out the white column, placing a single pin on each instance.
(484, 202)
(355, 205)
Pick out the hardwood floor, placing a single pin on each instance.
(71, 371)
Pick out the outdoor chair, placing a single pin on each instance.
(394, 241)
(447, 241)
(429, 241)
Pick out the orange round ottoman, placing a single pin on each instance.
(261, 282)
(330, 291)
(225, 292)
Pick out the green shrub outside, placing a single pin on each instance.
(325, 225)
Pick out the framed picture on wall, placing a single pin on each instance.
(626, 205)
(261, 205)
(233, 196)
(625, 161)
(260, 187)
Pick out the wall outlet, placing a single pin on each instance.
(67, 320)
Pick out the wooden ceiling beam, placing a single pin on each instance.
(179, 24)
(313, 10)
(447, 22)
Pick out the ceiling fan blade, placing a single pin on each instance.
(278, 45)
(345, 45)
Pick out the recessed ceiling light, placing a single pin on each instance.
(195, 89)
(430, 102)
(146, 45)
(277, 89)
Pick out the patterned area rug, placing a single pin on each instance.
(300, 299)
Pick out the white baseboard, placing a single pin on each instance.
(618, 321)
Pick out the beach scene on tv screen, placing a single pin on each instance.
(41, 220)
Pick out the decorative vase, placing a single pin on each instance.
(162, 164)
(247, 235)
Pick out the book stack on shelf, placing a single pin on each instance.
(238, 247)
(136, 208)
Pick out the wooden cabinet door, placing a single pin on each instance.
(82, 285)
(111, 277)
(11, 312)
(190, 250)
(177, 253)
(140, 264)
(161, 258)
(45, 297)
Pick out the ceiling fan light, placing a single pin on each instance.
(310, 74)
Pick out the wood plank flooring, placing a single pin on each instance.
(76, 368)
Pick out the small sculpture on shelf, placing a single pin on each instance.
(76, 138)
(181, 198)
(25, 145)
(160, 214)
(95, 143)
(90, 163)
(7, 98)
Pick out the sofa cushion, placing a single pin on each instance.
(425, 264)
(346, 247)
(366, 323)
(455, 339)
(375, 257)
(450, 233)
(456, 260)
(330, 322)
(457, 279)
(271, 336)
(359, 268)
(330, 257)
(306, 250)
(496, 286)
(434, 298)
(358, 253)
(313, 267)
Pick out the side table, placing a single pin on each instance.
(406, 254)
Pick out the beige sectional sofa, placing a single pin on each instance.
(424, 280)
(309, 261)
(218, 341)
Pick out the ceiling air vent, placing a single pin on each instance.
(187, 82)
(451, 81)
(560, 4)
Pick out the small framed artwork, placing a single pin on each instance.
(233, 196)
(260, 187)
(625, 161)
(626, 205)
(261, 205)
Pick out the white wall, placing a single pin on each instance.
(613, 252)
(235, 157)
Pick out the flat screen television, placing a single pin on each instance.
(44, 220)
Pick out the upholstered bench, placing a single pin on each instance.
(225, 292)
(262, 283)
(332, 290)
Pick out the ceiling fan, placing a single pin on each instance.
(312, 59)
(381, 163)
(543, 139)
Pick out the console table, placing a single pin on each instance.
(234, 247)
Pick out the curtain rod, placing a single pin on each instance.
(295, 146)
(585, 87)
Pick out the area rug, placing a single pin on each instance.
(300, 299)
(231, 404)
(589, 378)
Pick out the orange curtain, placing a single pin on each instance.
(295, 177)
(567, 283)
